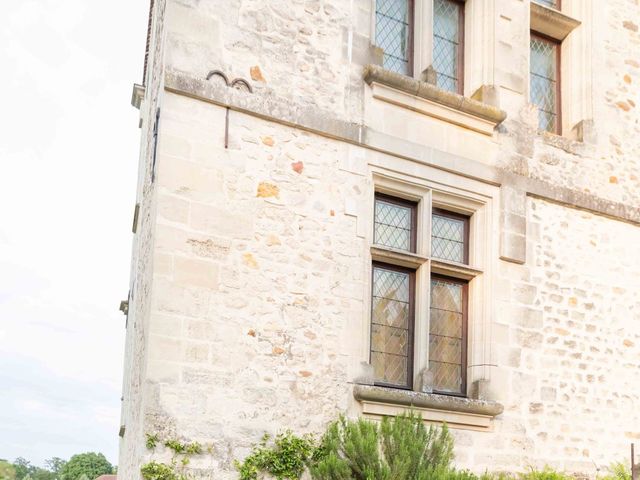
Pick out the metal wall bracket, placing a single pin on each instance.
(237, 83)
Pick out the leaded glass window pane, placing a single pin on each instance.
(393, 223)
(448, 237)
(446, 335)
(543, 82)
(391, 326)
(447, 43)
(393, 34)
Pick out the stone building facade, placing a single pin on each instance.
(300, 156)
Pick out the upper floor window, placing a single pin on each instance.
(394, 34)
(545, 81)
(448, 47)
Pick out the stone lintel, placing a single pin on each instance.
(411, 86)
(426, 400)
(551, 22)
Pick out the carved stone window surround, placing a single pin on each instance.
(571, 26)
(457, 194)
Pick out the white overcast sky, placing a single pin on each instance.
(69, 152)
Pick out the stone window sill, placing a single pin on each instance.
(569, 145)
(457, 412)
(551, 22)
(430, 100)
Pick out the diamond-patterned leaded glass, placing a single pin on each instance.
(391, 326)
(447, 45)
(543, 82)
(446, 348)
(393, 224)
(393, 34)
(448, 237)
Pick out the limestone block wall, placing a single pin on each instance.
(257, 280)
(249, 269)
(312, 53)
(307, 45)
(135, 393)
(569, 322)
(258, 304)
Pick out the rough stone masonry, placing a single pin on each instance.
(249, 306)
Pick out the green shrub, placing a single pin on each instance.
(617, 471)
(158, 471)
(547, 473)
(285, 459)
(399, 448)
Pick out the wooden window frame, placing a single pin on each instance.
(411, 322)
(465, 337)
(557, 45)
(466, 234)
(412, 29)
(414, 217)
(460, 59)
(415, 276)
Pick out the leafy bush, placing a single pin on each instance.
(399, 448)
(547, 473)
(617, 471)
(285, 459)
(158, 471)
(182, 453)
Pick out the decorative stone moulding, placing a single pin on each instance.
(457, 412)
(422, 97)
(237, 83)
(551, 22)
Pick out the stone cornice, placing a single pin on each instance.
(551, 22)
(377, 74)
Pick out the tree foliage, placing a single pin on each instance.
(7, 471)
(55, 464)
(90, 464)
(22, 467)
